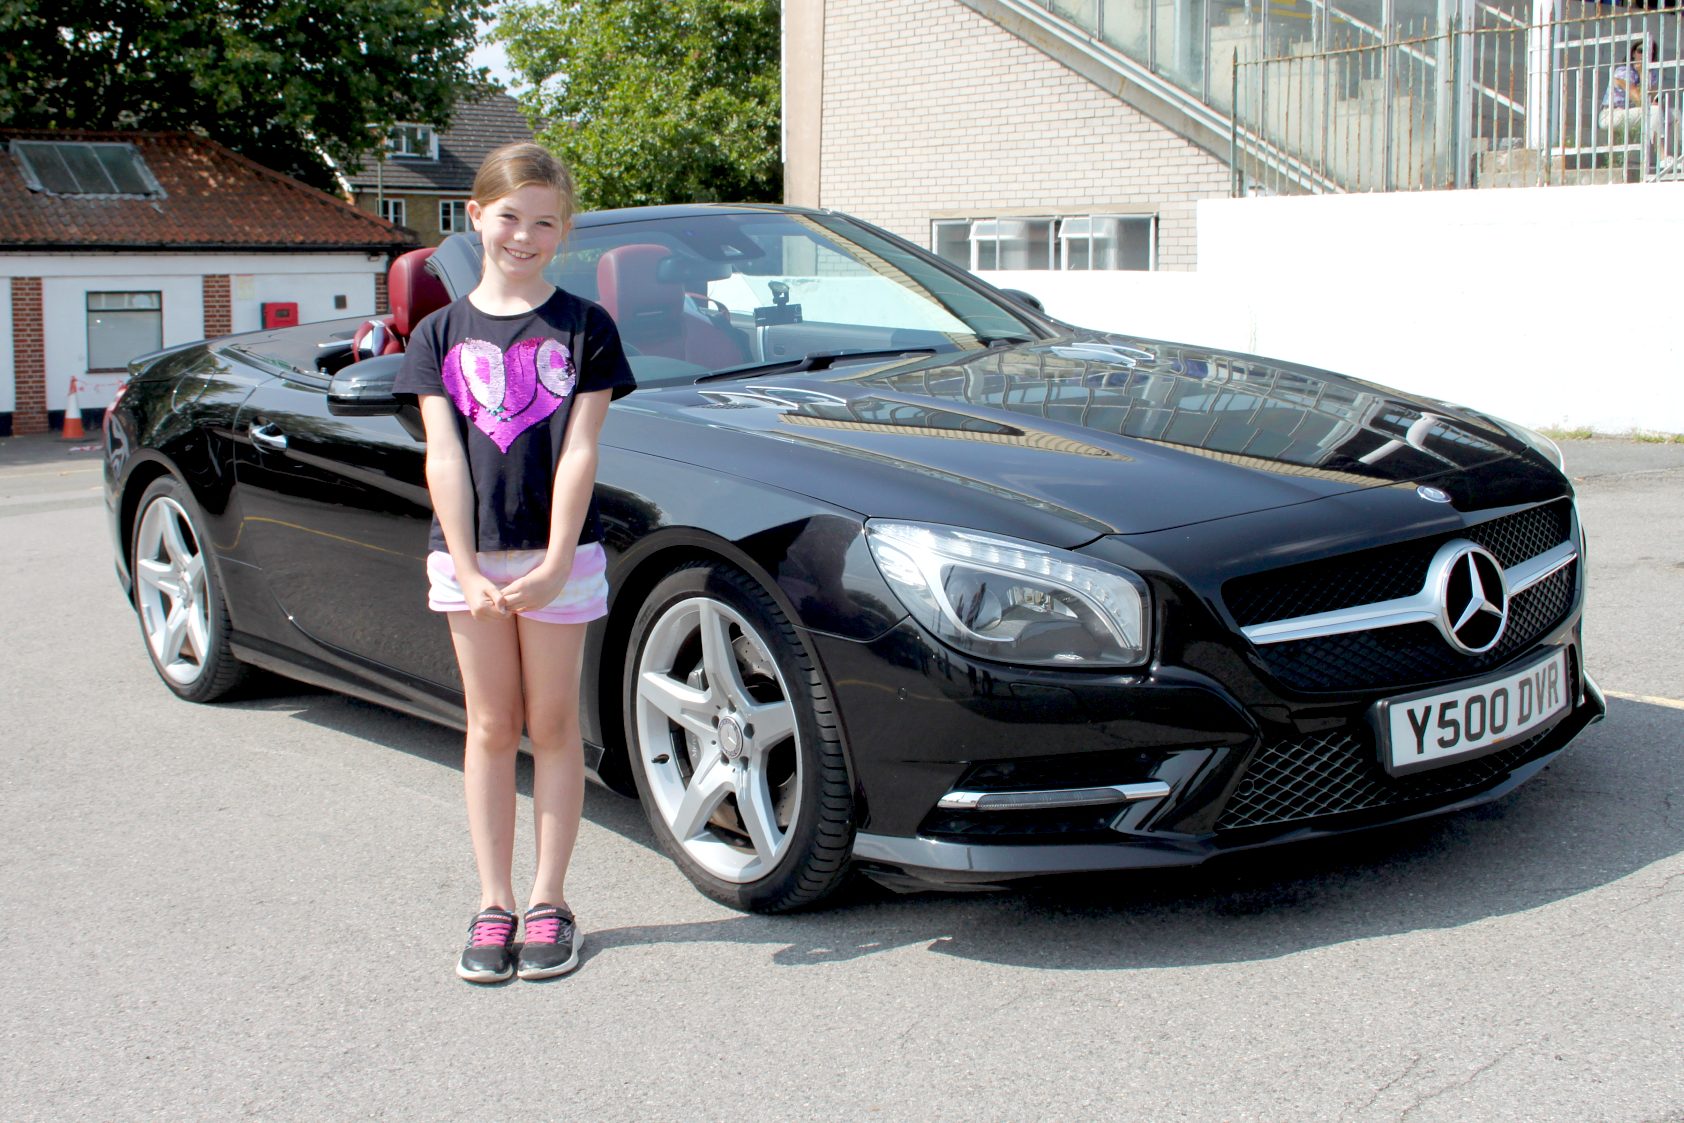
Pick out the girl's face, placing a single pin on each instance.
(521, 231)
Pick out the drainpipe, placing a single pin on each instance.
(1540, 62)
(1388, 35)
(1446, 97)
(1463, 54)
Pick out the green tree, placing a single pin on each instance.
(654, 101)
(285, 82)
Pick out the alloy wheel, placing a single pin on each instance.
(172, 591)
(721, 749)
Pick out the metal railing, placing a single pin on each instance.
(1498, 103)
(1372, 95)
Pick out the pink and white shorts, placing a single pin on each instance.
(584, 598)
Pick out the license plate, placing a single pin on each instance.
(1430, 730)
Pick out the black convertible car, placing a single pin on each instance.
(908, 578)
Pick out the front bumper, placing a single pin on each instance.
(924, 723)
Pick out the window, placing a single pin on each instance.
(122, 325)
(415, 142)
(79, 168)
(1106, 241)
(394, 211)
(952, 241)
(1097, 241)
(1012, 243)
(453, 216)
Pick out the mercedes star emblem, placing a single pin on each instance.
(1432, 494)
(730, 738)
(1473, 598)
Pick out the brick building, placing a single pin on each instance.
(956, 126)
(424, 179)
(115, 244)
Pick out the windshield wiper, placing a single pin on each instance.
(814, 360)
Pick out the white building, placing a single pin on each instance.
(114, 244)
(1290, 178)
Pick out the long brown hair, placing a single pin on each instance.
(507, 169)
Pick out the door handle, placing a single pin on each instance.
(267, 436)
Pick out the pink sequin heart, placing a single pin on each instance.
(505, 394)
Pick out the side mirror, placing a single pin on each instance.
(1025, 298)
(365, 389)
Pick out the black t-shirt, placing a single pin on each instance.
(513, 380)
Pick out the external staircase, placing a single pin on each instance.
(1309, 96)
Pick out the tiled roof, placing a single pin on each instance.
(475, 129)
(212, 198)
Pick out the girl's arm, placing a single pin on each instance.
(452, 490)
(575, 476)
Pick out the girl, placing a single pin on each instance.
(514, 380)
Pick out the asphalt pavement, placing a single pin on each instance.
(253, 909)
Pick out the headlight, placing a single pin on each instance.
(1013, 601)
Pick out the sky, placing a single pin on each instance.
(492, 57)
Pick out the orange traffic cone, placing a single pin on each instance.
(73, 430)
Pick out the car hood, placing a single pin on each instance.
(1108, 434)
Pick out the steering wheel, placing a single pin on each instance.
(711, 307)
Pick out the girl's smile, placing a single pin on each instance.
(520, 232)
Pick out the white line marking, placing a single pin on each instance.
(50, 498)
(1653, 700)
(9, 473)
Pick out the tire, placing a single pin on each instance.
(760, 819)
(177, 599)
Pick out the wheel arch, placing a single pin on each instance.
(219, 671)
(639, 571)
(144, 472)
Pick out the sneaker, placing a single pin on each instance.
(552, 943)
(489, 956)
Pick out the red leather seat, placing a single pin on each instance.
(650, 313)
(412, 293)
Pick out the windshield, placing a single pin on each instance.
(724, 292)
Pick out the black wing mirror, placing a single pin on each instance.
(365, 389)
(1025, 298)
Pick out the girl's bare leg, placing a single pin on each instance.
(488, 652)
(550, 660)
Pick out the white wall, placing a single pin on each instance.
(313, 280)
(64, 304)
(1555, 306)
(313, 292)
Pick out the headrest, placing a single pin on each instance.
(629, 283)
(413, 292)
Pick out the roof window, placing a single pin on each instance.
(62, 167)
(413, 141)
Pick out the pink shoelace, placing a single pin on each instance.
(491, 931)
(545, 928)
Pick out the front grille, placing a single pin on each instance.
(1387, 572)
(1415, 654)
(1525, 534)
(1336, 772)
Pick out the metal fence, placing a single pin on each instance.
(1498, 102)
